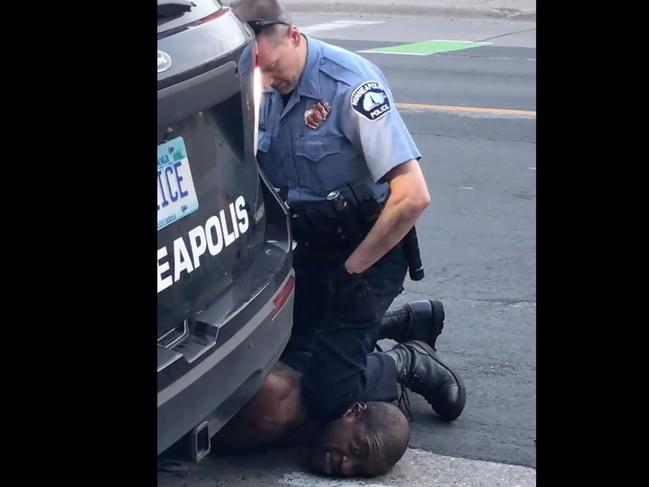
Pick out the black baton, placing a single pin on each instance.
(411, 248)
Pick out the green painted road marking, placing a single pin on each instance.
(426, 48)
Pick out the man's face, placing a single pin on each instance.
(345, 449)
(279, 60)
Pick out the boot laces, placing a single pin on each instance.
(404, 404)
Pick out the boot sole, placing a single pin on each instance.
(437, 310)
(436, 326)
(454, 413)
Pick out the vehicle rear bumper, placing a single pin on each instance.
(224, 381)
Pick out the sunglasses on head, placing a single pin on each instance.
(258, 25)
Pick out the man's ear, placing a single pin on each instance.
(356, 410)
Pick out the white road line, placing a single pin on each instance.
(337, 24)
(301, 479)
(419, 468)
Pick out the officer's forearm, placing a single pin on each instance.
(408, 199)
(391, 226)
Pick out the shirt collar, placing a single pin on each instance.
(309, 84)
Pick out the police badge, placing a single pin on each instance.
(313, 117)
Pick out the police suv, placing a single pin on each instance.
(225, 280)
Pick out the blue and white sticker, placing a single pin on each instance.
(176, 193)
(370, 100)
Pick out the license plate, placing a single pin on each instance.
(176, 194)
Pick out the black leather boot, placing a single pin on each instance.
(420, 370)
(419, 320)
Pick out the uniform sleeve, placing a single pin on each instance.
(371, 122)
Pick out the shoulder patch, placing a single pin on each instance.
(370, 100)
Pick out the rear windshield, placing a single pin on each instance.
(173, 13)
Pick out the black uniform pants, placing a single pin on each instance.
(343, 368)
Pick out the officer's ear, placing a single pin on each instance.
(294, 35)
(356, 410)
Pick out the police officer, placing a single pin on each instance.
(333, 143)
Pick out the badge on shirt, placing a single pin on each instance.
(313, 117)
(370, 100)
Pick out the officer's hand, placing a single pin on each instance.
(349, 291)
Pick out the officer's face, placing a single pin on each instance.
(345, 449)
(280, 59)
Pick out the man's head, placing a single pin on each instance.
(368, 440)
(281, 49)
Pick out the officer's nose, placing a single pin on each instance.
(266, 81)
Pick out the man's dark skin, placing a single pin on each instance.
(367, 440)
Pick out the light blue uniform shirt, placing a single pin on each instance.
(362, 138)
